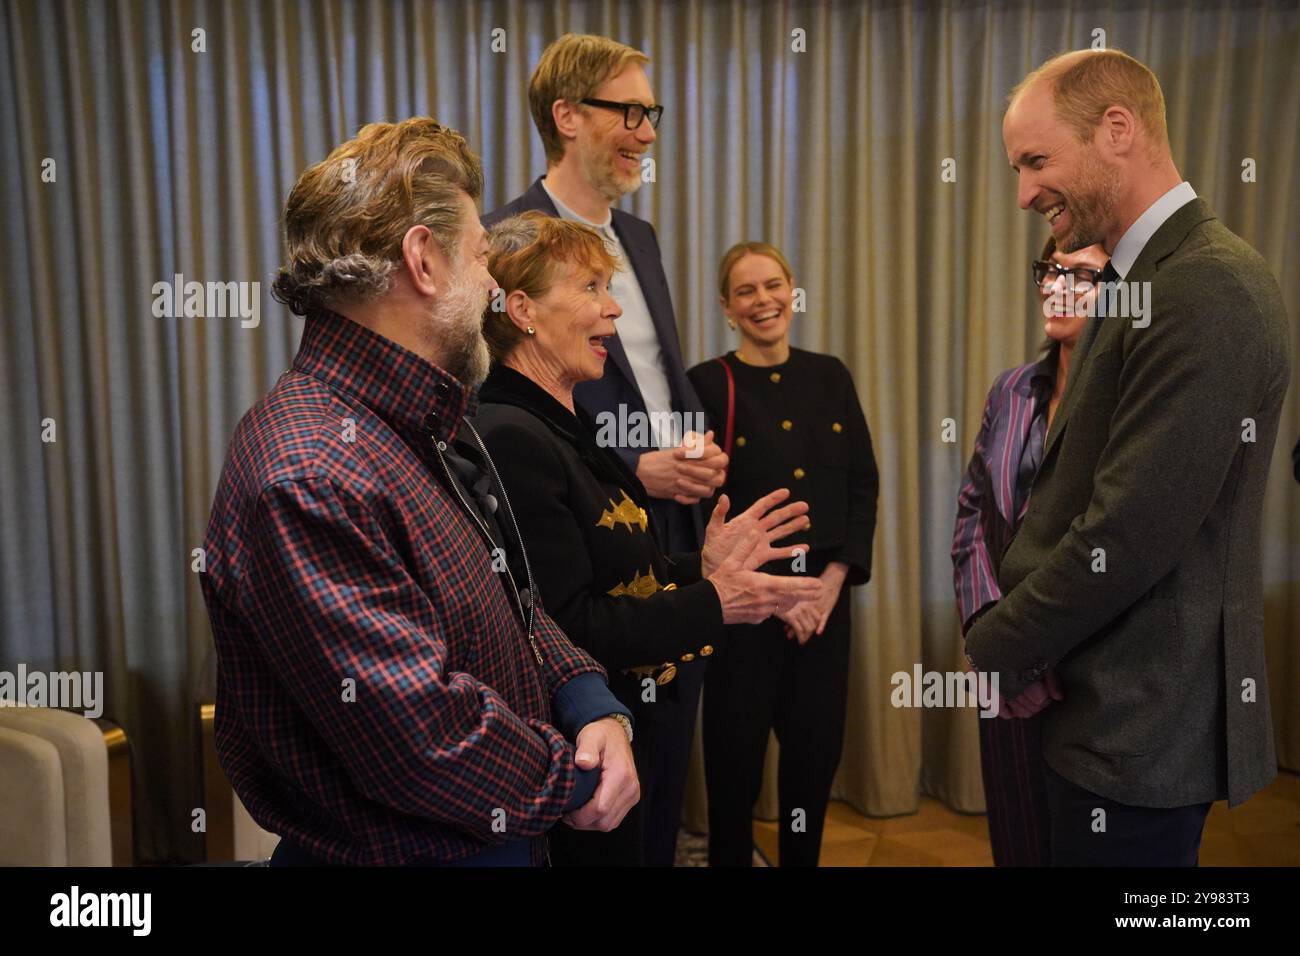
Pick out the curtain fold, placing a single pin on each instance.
(823, 127)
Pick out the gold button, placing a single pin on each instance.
(775, 376)
(799, 473)
(787, 424)
(740, 441)
(666, 674)
(687, 658)
(837, 428)
(706, 650)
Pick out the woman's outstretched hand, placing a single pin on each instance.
(750, 597)
(721, 537)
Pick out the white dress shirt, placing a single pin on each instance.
(636, 330)
(1139, 234)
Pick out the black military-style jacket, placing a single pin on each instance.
(596, 557)
(799, 425)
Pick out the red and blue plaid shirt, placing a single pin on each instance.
(378, 700)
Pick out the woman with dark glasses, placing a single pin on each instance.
(990, 506)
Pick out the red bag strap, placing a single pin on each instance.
(730, 429)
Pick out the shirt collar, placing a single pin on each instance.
(1044, 370)
(1133, 241)
(567, 213)
(411, 394)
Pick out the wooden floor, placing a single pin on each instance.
(1264, 831)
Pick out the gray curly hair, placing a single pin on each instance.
(347, 215)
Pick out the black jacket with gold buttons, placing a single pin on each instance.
(585, 518)
(799, 425)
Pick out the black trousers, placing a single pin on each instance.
(680, 530)
(661, 747)
(625, 844)
(1011, 758)
(763, 681)
(674, 735)
(1133, 836)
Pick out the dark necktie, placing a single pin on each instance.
(1108, 274)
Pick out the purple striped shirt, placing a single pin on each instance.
(995, 490)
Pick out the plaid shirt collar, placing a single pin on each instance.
(414, 396)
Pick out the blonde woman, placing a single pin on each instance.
(788, 418)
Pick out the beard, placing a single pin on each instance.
(455, 328)
(1093, 203)
(598, 169)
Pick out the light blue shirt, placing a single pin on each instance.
(1133, 241)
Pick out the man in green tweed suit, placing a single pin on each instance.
(1134, 605)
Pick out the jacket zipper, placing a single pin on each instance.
(525, 613)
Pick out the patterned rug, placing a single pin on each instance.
(693, 850)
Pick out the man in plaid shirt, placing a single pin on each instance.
(388, 689)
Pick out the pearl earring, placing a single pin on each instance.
(732, 323)
(530, 330)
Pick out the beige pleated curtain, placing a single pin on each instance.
(174, 130)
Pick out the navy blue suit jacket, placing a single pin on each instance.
(683, 527)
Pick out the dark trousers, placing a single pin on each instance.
(661, 747)
(762, 681)
(1011, 758)
(680, 530)
(673, 720)
(625, 844)
(1133, 836)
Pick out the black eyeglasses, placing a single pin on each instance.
(633, 113)
(1042, 269)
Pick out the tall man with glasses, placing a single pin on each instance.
(596, 114)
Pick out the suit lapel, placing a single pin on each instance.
(1076, 373)
(649, 273)
(1167, 238)
(636, 255)
(635, 236)
(537, 198)
(618, 356)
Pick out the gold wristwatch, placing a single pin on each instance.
(625, 724)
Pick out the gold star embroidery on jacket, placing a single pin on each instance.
(641, 586)
(625, 513)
